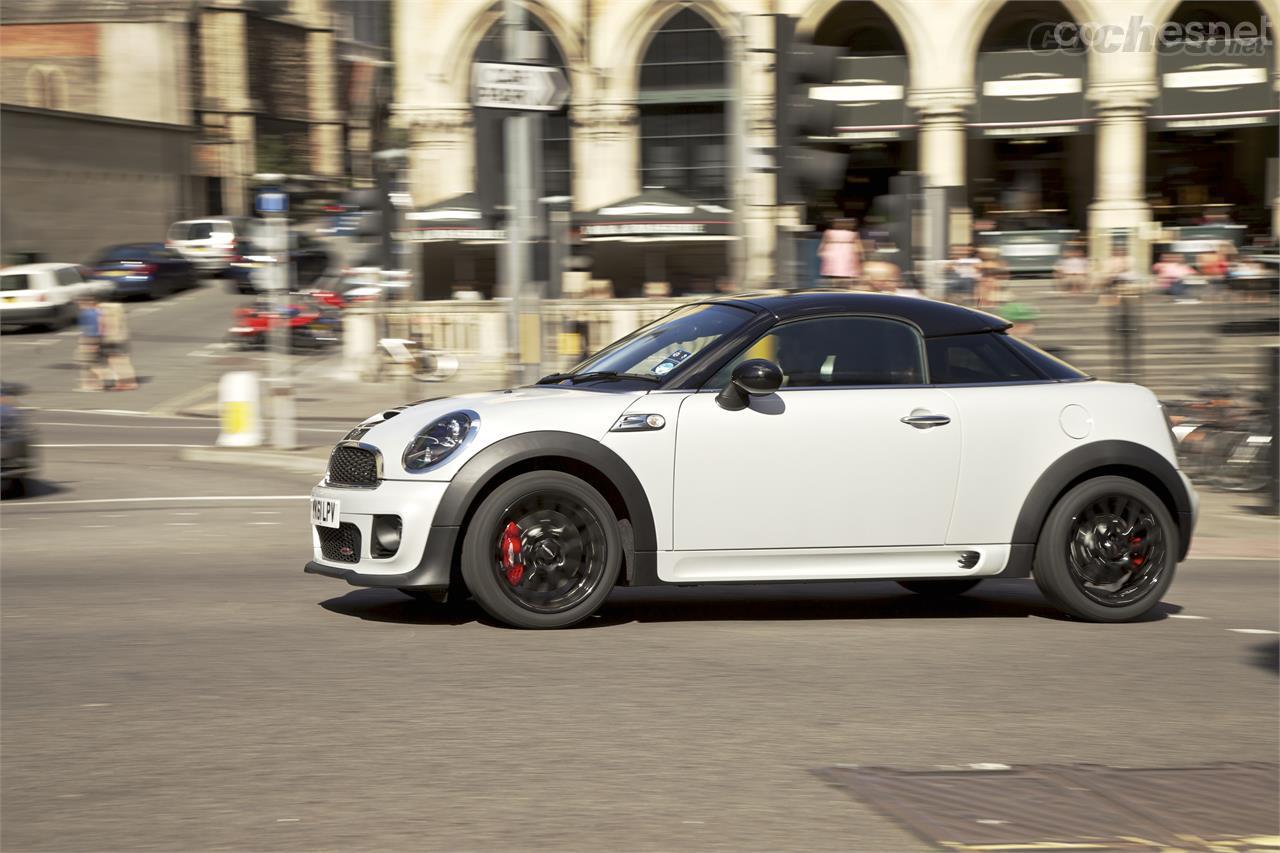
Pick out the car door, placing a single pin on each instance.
(853, 451)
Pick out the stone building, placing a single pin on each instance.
(990, 97)
(239, 86)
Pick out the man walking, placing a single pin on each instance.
(90, 355)
(115, 345)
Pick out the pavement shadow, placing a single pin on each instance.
(844, 601)
(1267, 656)
(33, 488)
(389, 605)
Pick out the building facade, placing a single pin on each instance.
(1079, 114)
(294, 86)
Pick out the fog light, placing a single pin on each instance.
(386, 535)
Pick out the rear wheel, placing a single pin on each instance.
(542, 551)
(940, 588)
(1107, 551)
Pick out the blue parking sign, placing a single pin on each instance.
(272, 202)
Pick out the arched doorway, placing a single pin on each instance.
(556, 167)
(1211, 137)
(875, 131)
(1031, 146)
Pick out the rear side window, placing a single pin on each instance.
(971, 359)
(1049, 365)
(68, 275)
(200, 231)
(833, 352)
(14, 282)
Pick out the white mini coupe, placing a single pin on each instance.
(813, 436)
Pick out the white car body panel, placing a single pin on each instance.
(415, 503)
(1013, 433)
(816, 468)
(651, 455)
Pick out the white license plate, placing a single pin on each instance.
(324, 512)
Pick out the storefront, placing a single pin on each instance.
(658, 240)
(1212, 137)
(458, 249)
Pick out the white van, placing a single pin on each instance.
(209, 244)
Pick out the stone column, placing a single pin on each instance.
(942, 144)
(441, 153)
(223, 102)
(1120, 170)
(326, 123)
(606, 153)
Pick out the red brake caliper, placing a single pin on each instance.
(512, 558)
(1135, 542)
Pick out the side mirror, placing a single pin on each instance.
(754, 377)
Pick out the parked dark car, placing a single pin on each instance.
(143, 269)
(17, 456)
(309, 257)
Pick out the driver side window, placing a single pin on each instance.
(833, 352)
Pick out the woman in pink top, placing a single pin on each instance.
(840, 252)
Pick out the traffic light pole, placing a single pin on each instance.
(519, 167)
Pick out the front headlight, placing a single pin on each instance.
(439, 439)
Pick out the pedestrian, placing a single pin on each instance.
(1171, 274)
(991, 275)
(881, 273)
(840, 254)
(115, 346)
(89, 352)
(961, 275)
(1072, 270)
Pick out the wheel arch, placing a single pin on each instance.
(1103, 458)
(574, 454)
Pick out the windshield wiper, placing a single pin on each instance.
(596, 374)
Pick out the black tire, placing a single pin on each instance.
(1082, 566)
(940, 588)
(574, 533)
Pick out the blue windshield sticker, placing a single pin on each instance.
(670, 362)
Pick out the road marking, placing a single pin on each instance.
(184, 498)
(266, 512)
(186, 513)
(287, 820)
(1253, 631)
(96, 705)
(264, 523)
(1185, 616)
(119, 445)
(180, 524)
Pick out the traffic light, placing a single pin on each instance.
(803, 167)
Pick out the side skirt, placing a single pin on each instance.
(827, 564)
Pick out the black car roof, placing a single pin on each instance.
(934, 318)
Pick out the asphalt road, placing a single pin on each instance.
(173, 681)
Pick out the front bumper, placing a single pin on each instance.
(425, 555)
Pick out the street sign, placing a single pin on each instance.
(510, 86)
(272, 202)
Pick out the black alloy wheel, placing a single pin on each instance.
(1107, 551)
(542, 551)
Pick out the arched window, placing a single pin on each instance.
(684, 87)
(557, 162)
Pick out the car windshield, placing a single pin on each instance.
(666, 344)
(14, 282)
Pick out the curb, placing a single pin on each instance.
(308, 460)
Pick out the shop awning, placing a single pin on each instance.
(1025, 93)
(656, 216)
(456, 220)
(1225, 84)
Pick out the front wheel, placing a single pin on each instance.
(1107, 551)
(542, 551)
